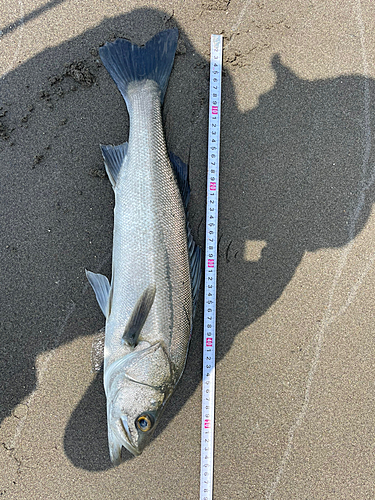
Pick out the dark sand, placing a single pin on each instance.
(295, 368)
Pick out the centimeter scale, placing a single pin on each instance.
(208, 383)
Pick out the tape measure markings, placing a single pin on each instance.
(208, 382)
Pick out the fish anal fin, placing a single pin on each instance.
(139, 316)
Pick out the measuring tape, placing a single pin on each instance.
(208, 383)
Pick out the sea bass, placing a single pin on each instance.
(156, 265)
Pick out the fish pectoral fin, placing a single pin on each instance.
(101, 287)
(114, 158)
(139, 316)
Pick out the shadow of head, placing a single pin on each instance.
(297, 176)
(305, 161)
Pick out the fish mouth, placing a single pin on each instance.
(118, 437)
(127, 442)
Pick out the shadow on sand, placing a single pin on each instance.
(293, 173)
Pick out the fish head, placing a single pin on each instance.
(137, 391)
(132, 418)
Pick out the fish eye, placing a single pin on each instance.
(144, 422)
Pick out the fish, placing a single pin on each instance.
(150, 303)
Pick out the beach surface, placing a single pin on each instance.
(295, 373)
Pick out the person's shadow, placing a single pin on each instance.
(294, 177)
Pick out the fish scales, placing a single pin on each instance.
(149, 304)
(150, 244)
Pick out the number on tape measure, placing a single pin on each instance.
(208, 382)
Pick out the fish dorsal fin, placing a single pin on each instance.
(114, 158)
(101, 287)
(181, 171)
(139, 316)
(182, 176)
(195, 267)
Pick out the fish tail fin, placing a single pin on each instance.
(127, 63)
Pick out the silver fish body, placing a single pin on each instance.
(155, 263)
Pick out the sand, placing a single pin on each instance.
(295, 332)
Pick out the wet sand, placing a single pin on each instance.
(295, 373)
